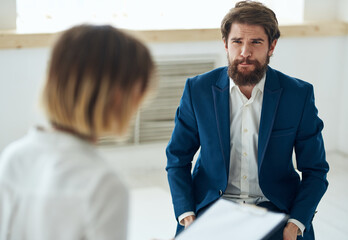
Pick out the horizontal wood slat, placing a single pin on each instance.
(13, 39)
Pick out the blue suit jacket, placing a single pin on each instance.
(288, 121)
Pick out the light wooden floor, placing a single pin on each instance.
(151, 213)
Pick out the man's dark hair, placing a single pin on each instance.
(251, 13)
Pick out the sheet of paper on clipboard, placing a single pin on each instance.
(229, 220)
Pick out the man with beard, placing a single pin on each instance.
(247, 119)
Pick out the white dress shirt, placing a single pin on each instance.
(243, 182)
(56, 186)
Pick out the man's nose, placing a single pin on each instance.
(246, 51)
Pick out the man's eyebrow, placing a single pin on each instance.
(258, 39)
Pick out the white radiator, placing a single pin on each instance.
(155, 120)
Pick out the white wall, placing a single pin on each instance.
(325, 10)
(21, 74)
(8, 14)
(342, 97)
(343, 10)
(321, 61)
(320, 10)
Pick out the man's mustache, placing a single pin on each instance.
(245, 61)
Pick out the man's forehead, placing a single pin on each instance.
(241, 29)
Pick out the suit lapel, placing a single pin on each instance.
(222, 113)
(271, 97)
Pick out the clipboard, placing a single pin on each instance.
(228, 220)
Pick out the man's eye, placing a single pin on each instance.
(236, 41)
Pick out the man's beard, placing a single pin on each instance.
(247, 78)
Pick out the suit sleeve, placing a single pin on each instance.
(181, 148)
(311, 161)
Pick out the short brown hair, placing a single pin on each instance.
(251, 13)
(91, 78)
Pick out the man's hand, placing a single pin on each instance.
(290, 231)
(188, 220)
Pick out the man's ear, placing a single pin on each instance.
(272, 47)
(225, 44)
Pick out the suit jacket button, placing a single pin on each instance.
(220, 192)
